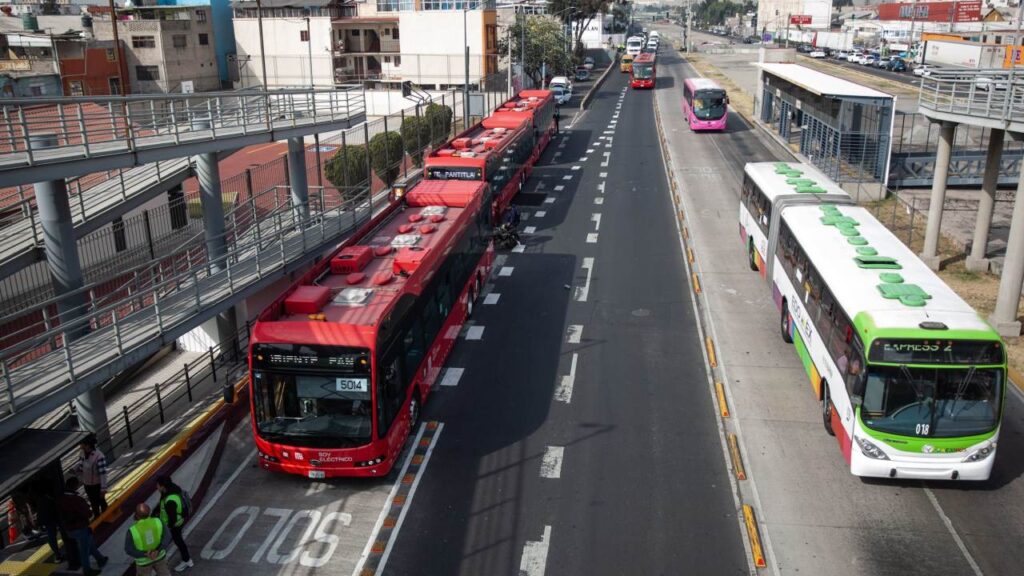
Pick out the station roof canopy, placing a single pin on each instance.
(820, 83)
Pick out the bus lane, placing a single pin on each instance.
(258, 523)
(816, 517)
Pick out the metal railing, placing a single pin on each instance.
(83, 127)
(169, 297)
(985, 94)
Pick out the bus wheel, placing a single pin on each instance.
(786, 336)
(414, 412)
(826, 408)
(751, 259)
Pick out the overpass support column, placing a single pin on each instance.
(931, 234)
(976, 261)
(66, 276)
(1004, 318)
(212, 200)
(297, 178)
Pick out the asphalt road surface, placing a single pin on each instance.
(581, 438)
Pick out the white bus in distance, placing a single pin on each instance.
(634, 44)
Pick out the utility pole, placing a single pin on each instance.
(910, 41)
(689, 25)
(465, 84)
(263, 53)
(789, 18)
(309, 44)
(122, 66)
(522, 49)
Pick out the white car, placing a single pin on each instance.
(561, 81)
(857, 58)
(588, 63)
(843, 55)
(923, 70)
(817, 54)
(562, 95)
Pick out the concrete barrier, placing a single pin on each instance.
(597, 84)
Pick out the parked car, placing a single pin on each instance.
(896, 65)
(588, 63)
(855, 57)
(817, 54)
(922, 70)
(869, 60)
(841, 55)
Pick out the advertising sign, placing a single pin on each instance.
(962, 11)
(800, 19)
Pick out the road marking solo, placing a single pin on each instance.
(574, 333)
(564, 391)
(551, 463)
(582, 292)
(535, 555)
(452, 375)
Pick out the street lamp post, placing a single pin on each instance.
(263, 53)
(465, 84)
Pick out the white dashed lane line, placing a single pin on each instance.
(452, 376)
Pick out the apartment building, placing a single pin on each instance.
(167, 48)
(328, 42)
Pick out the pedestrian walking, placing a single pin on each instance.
(45, 504)
(74, 512)
(174, 510)
(92, 472)
(558, 116)
(146, 541)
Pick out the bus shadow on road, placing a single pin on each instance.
(666, 82)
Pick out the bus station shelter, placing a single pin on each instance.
(843, 128)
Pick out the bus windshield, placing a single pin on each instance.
(317, 410)
(709, 104)
(643, 71)
(933, 402)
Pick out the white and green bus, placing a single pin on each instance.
(910, 379)
(767, 188)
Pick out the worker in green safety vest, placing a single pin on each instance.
(146, 541)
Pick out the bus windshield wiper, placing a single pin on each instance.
(961, 389)
(910, 380)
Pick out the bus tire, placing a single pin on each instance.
(751, 260)
(826, 408)
(414, 412)
(784, 324)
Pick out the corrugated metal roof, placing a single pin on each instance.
(821, 83)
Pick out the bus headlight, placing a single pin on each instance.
(868, 449)
(981, 453)
(268, 457)
(374, 462)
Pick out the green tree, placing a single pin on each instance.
(386, 155)
(545, 45)
(347, 168)
(439, 121)
(415, 137)
(579, 12)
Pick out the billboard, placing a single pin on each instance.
(800, 19)
(962, 11)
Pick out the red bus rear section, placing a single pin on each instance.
(499, 150)
(539, 107)
(643, 72)
(342, 362)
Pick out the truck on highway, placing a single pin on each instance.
(834, 41)
(963, 54)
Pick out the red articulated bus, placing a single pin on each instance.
(498, 150)
(341, 363)
(643, 72)
(539, 106)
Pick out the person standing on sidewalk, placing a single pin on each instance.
(173, 513)
(73, 511)
(92, 471)
(146, 541)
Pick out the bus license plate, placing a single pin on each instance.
(317, 474)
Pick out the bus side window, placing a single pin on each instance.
(415, 348)
(389, 390)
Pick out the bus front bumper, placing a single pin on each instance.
(944, 467)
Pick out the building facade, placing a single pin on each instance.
(328, 42)
(167, 48)
(88, 67)
(28, 65)
(776, 18)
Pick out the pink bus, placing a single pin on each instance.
(705, 104)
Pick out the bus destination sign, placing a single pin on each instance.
(936, 352)
(453, 173)
(282, 356)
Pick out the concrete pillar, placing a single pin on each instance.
(208, 174)
(66, 275)
(931, 234)
(1004, 318)
(976, 261)
(297, 177)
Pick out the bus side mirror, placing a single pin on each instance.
(726, 99)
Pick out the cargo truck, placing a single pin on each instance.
(963, 54)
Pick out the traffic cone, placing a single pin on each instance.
(12, 521)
